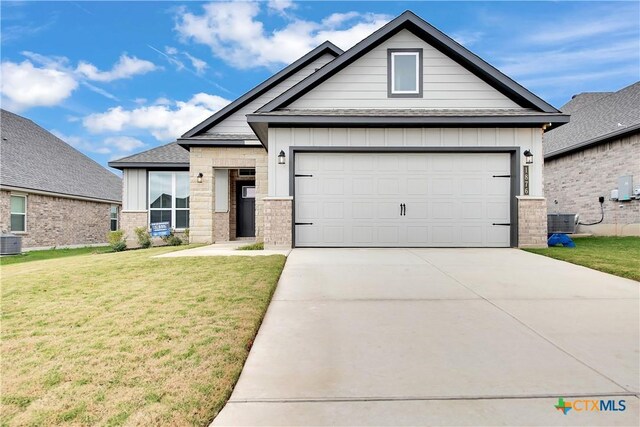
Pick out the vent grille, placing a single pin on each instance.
(562, 223)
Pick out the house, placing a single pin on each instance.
(597, 155)
(50, 193)
(406, 139)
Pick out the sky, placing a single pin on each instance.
(116, 78)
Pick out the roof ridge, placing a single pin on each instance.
(439, 40)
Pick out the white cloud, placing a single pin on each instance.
(197, 63)
(170, 50)
(124, 143)
(467, 38)
(81, 144)
(164, 122)
(235, 34)
(281, 6)
(25, 86)
(126, 67)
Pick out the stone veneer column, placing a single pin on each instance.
(532, 222)
(277, 222)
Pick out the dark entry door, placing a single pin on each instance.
(246, 209)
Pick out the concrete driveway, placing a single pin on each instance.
(440, 337)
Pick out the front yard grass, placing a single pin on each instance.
(123, 338)
(614, 255)
(52, 253)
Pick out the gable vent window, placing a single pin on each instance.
(404, 73)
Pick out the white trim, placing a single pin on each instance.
(24, 196)
(133, 211)
(415, 54)
(52, 194)
(278, 198)
(531, 198)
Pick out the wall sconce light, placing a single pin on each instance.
(281, 158)
(199, 179)
(528, 157)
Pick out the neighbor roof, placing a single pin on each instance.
(326, 47)
(410, 21)
(35, 159)
(169, 155)
(595, 118)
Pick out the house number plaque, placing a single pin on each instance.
(526, 179)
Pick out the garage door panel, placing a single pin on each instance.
(353, 199)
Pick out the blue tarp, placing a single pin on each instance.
(560, 239)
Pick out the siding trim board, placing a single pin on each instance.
(408, 20)
(514, 153)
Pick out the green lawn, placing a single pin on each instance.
(123, 338)
(615, 255)
(52, 253)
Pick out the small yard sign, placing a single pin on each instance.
(160, 229)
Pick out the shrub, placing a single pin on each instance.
(143, 236)
(116, 240)
(186, 234)
(172, 240)
(252, 247)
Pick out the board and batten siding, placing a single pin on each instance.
(135, 190)
(237, 122)
(363, 83)
(283, 138)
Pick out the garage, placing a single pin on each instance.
(402, 199)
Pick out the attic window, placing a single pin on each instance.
(404, 73)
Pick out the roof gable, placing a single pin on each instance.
(364, 83)
(35, 159)
(326, 48)
(409, 21)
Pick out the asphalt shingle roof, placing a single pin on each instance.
(170, 154)
(33, 158)
(595, 115)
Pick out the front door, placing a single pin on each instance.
(246, 209)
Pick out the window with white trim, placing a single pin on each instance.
(18, 213)
(405, 72)
(169, 198)
(114, 217)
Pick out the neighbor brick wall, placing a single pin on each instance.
(277, 221)
(59, 221)
(204, 160)
(532, 222)
(578, 179)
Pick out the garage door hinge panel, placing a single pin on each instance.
(502, 176)
(302, 176)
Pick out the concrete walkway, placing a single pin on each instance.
(224, 249)
(440, 337)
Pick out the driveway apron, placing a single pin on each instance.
(440, 337)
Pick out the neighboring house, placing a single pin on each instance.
(50, 193)
(406, 139)
(587, 158)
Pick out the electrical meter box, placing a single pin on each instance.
(625, 187)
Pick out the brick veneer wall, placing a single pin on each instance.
(202, 196)
(578, 179)
(59, 221)
(532, 222)
(129, 222)
(277, 222)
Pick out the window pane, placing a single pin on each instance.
(160, 216)
(182, 190)
(404, 72)
(18, 204)
(114, 212)
(182, 219)
(114, 225)
(160, 189)
(18, 222)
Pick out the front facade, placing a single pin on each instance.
(588, 159)
(50, 194)
(405, 140)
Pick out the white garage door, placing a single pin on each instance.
(402, 199)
